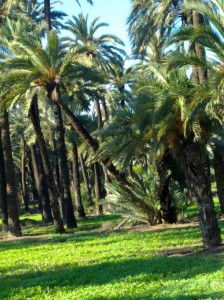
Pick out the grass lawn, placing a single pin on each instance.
(117, 265)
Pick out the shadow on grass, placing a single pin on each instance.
(145, 296)
(154, 269)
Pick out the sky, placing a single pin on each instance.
(113, 12)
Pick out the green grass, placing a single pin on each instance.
(97, 266)
(32, 224)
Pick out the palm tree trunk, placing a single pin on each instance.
(198, 20)
(23, 175)
(98, 188)
(41, 184)
(86, 179)
(219, 177)
(47, 13)
(197, 166)
(3, 192)
(33, 182)
(104, 109)
(116, 175)
(97, 174)
(76, 180)
(98, 112)
(12, 194)
(53, 193)
(62, 152)
(168, 211)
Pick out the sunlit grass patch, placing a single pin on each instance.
(110, 266)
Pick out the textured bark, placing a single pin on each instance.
(98, 112)
(198, 168)
(65, 180)
(219, 177)
(3, 192)
(12, 193)
(49, 131)
(47, 13)
(76, 180)
(41, 184)
(53, 194)
(86, 179)
(98, 188)
(25, 194)
(168, 211)
(198, 21)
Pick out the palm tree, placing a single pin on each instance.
(53, 193)
(23, 172)
(3, 192)
(76, 181)
(176, 111)
(62, 152)
(209, 35)
(12, 193)
(103, 50)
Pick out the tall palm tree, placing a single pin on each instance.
(3, 192)
(209, 35)
(53, 193)
(12, 193)
(65, 178)
(105, 53)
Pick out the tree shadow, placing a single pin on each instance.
(73, 276)
(145, 296)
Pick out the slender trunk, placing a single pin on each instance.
(47, 167)
(12, 194)
(197, 166)
(98, 188)
(33, 182)
(23, 175)
(104, 109)
(168, 211)
(41, 184)
(120, 178)
(62, 152)
(98, 112)
(76, 180)
(3, 192)
(35, 178)
(198, 21)
(49, 131)
(219, 177)
(122, 92)
(47, 13)
(86, 179)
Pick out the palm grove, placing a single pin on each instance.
(78, 129)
